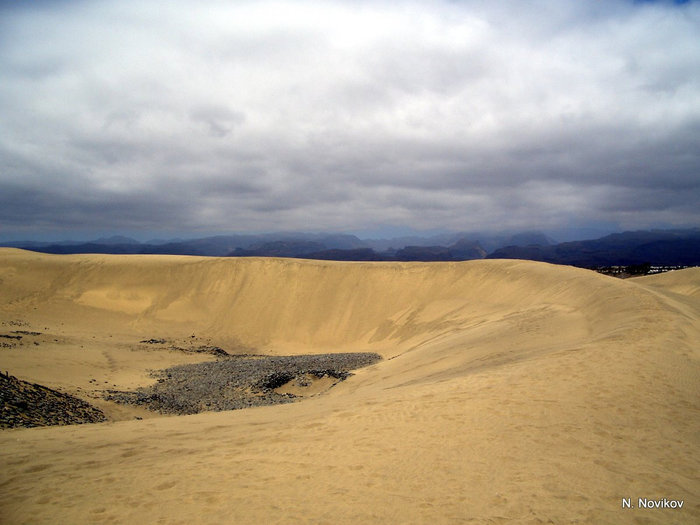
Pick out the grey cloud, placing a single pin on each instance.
(246, 185)
(219, 120)
(49, 209)
(289, 115)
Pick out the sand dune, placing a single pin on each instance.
(511, 391)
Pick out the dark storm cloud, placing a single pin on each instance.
(312, 115)
(49, 208)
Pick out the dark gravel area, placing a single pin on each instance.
(30, 405)
(236, 381)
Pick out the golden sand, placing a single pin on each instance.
(510, 392)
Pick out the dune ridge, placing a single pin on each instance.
(511, 391)
(262, 303)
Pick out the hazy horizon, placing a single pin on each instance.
(380, 233)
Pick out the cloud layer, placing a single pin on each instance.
(215, 116)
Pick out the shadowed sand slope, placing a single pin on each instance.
(511, 391)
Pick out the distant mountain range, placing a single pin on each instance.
(657, 247)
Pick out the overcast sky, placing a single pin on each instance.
(212, 116)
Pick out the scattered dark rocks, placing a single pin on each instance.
(202, 349)
(15, 337)
(236, 382)
(16, 322)
(213, 350)
(12, 338)
(30, 405)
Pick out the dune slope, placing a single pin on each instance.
(511, 391)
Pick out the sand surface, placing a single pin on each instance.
(510, 392)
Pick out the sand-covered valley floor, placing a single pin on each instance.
(508, 392)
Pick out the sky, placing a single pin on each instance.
(191, 118)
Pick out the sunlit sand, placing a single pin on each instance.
(509, 391)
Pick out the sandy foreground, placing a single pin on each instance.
(510, 392)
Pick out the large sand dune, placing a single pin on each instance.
(511, 391)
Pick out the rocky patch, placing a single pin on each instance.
(30, 405)
(238, 382)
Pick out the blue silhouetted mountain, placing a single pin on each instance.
(657, 247)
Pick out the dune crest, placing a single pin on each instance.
(273, 303)
(511, 391)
